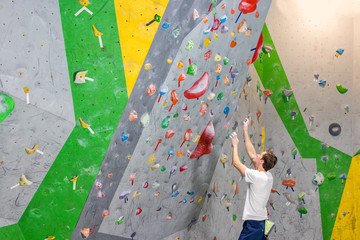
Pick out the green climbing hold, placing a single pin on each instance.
(192, 69)
(7, 105)
(220, 96)
(341, 89)
(145, 120)
(176, 115)
(163, 169)
(258, 86)
(242, 159)
(331, 176)
(214, 12)
(302, 210)
(226, 60)
(120, 220)
(165, 122)
(227, 134)
(189, 45)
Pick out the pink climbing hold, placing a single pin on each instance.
(199, 88)
(205, 143)
(203, 109)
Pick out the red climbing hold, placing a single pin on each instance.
(199, 88)
(216, 24)
(169, 134)
(174, 99)
(205, 143)
(181, 78)
(187, 136)
(258, 48)
(138, 211)
(248, 6)
(207, 55)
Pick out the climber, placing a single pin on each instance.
(259, 186)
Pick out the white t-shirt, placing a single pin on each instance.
(257, 194)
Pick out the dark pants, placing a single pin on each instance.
(253, 230)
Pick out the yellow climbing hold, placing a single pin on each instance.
(207, 41)
(83, 124)
(152, 158)
(215, 36)
(217, 58)
(169, 61)
(136, 194)
(147, 66)
(96, 32)
(84, 3)
(196, 138)
(156, 166)
(232, 34)
(199, 200)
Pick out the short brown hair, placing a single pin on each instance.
(270, 160)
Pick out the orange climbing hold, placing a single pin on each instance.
(180, 64)
(218, 68)
(232, 44)
(289, 183)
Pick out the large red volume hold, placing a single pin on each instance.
(205, 142)
(199, 88)
(258, 48)
(248, 6)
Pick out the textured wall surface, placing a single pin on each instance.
(198, 176)
(304, 36)
(33, 56)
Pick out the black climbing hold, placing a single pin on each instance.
(334, 129)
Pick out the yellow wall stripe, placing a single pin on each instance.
(135, 36)
(347, 222)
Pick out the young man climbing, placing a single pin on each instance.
(259, 181)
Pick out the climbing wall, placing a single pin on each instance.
(155, 192)
(317, 62)
(128, 183)
(225, 197)
(33, 57)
